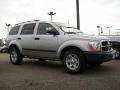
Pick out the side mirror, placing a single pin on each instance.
(51, 30)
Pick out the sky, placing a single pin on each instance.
(104, 13)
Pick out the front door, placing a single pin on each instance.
(47, 44)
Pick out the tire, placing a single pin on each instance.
(15, 56)
(117, 54)
(73, 61)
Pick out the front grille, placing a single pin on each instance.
(106, 45)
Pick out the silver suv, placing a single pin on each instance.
(57, 41)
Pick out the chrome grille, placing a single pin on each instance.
(106, 45)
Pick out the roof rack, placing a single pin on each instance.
(26, 21)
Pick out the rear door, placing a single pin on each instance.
(26, 39)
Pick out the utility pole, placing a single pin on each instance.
(78, 16)
(51, 13)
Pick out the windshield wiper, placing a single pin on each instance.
(71, 27)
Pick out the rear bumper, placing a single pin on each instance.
(94, 57)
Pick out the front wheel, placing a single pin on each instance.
(15, 56)
(73, 61)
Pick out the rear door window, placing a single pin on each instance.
(28, 29)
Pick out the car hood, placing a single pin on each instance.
(88, 37)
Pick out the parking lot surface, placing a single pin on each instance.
(50, 75)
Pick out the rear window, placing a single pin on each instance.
(14, 30)
(28, 29)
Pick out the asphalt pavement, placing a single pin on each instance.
(50, 75)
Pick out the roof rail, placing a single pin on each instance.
(26, 21)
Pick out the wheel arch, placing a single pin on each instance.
(68, 48)
(13, 46)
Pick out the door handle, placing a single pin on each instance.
(19, 38)
(37, 38)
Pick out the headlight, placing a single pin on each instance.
(94, 46)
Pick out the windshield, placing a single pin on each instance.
(67, 28)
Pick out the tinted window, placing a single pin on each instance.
(14, 30)
(28, 29)
(43, 27)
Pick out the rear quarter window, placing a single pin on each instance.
(14, 30)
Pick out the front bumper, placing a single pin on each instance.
(94, 57)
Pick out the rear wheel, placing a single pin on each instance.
(15, 56)
(73, 61)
